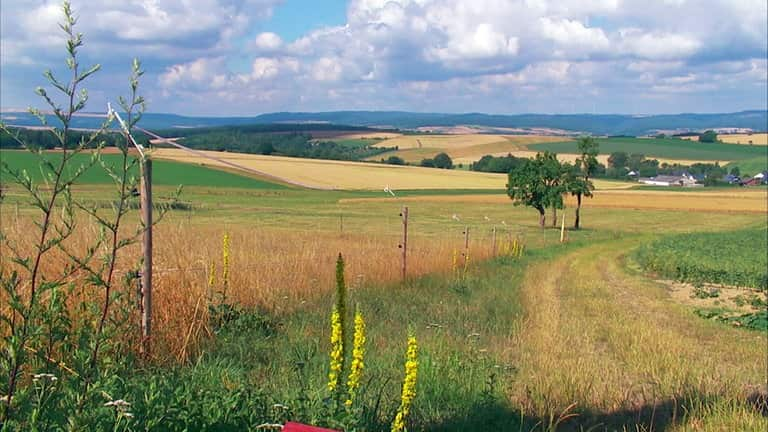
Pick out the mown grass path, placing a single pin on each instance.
(615, 344)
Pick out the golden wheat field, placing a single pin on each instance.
(754, 139)
(466, 148)
(440, 141)
(326, 174)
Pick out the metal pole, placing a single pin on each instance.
(146, 274)
(404, 245)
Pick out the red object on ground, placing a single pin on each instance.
(298, 427)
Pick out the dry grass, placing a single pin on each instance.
(347, 175)
(746, 139)
(277, 269)
(738, 201)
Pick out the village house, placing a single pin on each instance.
(684, 180)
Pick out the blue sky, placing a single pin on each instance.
(245, 57)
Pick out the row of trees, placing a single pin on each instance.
(542, 182)
(441, 160)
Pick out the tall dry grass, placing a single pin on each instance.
(273, 269)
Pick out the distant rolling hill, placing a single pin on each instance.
(599, 124)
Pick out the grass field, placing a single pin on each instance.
(165, 173)
(665, 149)
(732, 258)
(750, 166)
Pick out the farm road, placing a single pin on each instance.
(616, 345)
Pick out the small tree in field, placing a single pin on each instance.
(709, 136)
(587, 165)
(536, 183)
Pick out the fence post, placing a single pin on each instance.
(494, 241)
(466, 245)
(562, 229)
(404, 245)
(146, 273)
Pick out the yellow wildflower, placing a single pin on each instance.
(455, 262)
(358, 352)
(212, 276)
(409, 385)
(337, 351)
(225, 262)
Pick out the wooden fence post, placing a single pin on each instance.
(404, 245)
(494, 241)
(562, 229)
(466, 245)
(146, 273)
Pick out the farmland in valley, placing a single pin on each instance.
(462, 148)
(666, 148)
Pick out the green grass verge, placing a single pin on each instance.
(664, 148)
(164, 173)
(750, 166)
(732, 258)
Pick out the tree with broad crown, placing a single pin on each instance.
(536, 183)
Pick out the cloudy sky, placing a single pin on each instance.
(245, 57)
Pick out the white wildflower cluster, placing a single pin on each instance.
(270, 426)
(121, 406)
(44, 377)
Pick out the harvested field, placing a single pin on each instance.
(725, 202)
(326, 174)
(746, 139)
(441, 141)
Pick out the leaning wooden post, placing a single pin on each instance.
(146, 273)
(404, 244)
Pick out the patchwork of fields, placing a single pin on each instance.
(667, 148)
(567, 336)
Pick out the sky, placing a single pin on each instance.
(246, 57)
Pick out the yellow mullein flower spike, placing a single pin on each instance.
(225, 261)
(409, 385)
(358, 354)
(337, 351)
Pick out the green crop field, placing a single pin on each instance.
(667, 148)
(750, 166)
(164, 173)
(732, 258)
